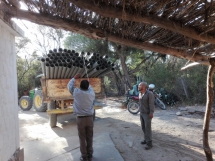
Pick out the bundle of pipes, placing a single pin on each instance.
(66, 63)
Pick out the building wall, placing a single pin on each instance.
(9, 123)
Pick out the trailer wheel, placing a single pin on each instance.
(38, 103)
(52, 117)
(25, 103)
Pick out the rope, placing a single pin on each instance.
(85, 69)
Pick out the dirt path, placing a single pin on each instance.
(175, 138)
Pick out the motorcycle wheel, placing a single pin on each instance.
(160, 104)
(133, 107)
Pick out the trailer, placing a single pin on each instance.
(60, 100)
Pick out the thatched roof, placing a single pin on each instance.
(180, 28)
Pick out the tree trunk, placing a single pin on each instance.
(210, 97)
(116, 80)
(121, 53)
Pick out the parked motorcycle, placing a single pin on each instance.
(133, 101)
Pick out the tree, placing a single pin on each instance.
(47, 38)
(127, 59)
(27, 69)
(28, 64)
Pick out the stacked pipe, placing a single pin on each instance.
(63, 63)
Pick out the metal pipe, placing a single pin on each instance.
(50, 51)
(76, 69)
(106, 72)
(60, 50)
(98, 70)
(57, 54)
(73, 69)
(96, 64)
(55, 70)
(82, 54)
(43, 66)
(51, 71)
(91, 73)
(47, 59)
(105, 57)
(102, 69)
(83, 71)
(49, 55)
(47, 71)
(63, 71)
(63, 60)
(80, 69)
(54, 55)
(67, 71)
(76, 54)
(71, 54)
(60, 68)
(87, 56)
(68, 61)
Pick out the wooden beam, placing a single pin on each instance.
(112, 12)
(209, 103)
(96, 33)
(15, 3)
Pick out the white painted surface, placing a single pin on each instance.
(9, 125)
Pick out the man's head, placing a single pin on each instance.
(84, 85)
(142, 86)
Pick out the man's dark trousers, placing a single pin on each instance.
(146, 127)
(85, 133)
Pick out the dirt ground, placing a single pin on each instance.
(175, 138)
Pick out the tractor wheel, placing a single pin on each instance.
(52, 117)
(38, 103)
(25, 103)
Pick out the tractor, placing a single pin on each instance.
(34, 99)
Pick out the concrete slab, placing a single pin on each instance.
(67, 149)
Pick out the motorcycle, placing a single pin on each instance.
(133, 101)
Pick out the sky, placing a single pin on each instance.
(31, 32)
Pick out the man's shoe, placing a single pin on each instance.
(83, 159)
(90, 157)
(143, 142)
(148, 146)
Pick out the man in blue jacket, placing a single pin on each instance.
(84, 110)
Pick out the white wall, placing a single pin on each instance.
(9, 123)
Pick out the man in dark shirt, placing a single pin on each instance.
(146, 99)
(83, 108)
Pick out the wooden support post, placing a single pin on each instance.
(62, 104)
(210, 97)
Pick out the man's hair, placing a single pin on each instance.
(144, 84)
(84, 85)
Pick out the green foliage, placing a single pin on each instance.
(80, 43)
(27, 70)
(169, 76)
(164, 71)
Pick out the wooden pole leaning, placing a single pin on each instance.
(210, 98)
